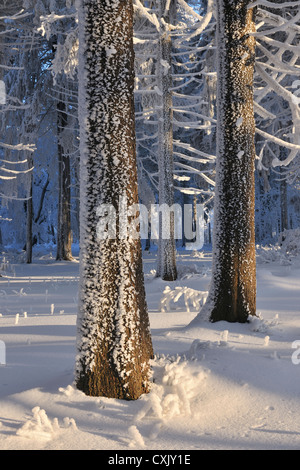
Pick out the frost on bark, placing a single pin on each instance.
(166, 265)
(114, 342)
(233, 290)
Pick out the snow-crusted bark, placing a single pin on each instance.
(233, 290)
(166, 265)
(114, 342)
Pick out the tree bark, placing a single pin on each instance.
(44, 190)
(64, 232)
(232, 295)
(166, 265)
(114, 342)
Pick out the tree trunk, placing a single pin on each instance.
(44, 190)
(29, 214)
(2, 55)
(64, 232)
(232, 295)
(114, 342)
(283, 204)
(166, 265)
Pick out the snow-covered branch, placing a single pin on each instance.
(280, 5)
(19, 147)
(278, 141)
(145, 12)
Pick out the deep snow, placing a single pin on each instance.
(215, 386)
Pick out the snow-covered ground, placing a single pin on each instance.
(215, 386)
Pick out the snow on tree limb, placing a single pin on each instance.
(278, 141)
(151, 17)
(279, 64)
(7, 177)
(284, 26)
(190, 10)
(203, 21)
(266, 3)
(16, 172)
(17, 16)
(19, 147)
(262, 112)
(198, 172)
(13, 198)
(293, 100)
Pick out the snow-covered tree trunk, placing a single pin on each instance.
(114, 342)
(166, 264)
(64, 233)
(233, 290)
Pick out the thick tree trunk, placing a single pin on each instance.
(114, 342)
(232, 295)
(234, 277)
(166, 265)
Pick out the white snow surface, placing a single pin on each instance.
(215, 386)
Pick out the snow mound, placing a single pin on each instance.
(284, 252)
(197, 348)
(270, 254)
(192, 270)
(185, 271)
(191, 297)
(6, 266)
(177, 386)
(289, 241)
(41, 427)
(259, 325)
(136, 437)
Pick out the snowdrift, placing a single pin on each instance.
(214, 386)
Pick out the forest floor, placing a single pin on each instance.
(215, 386)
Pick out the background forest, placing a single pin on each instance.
(39, 149)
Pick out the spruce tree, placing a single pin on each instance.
(166, 265)
(234, 278)
(232, 295)
(114, 342)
